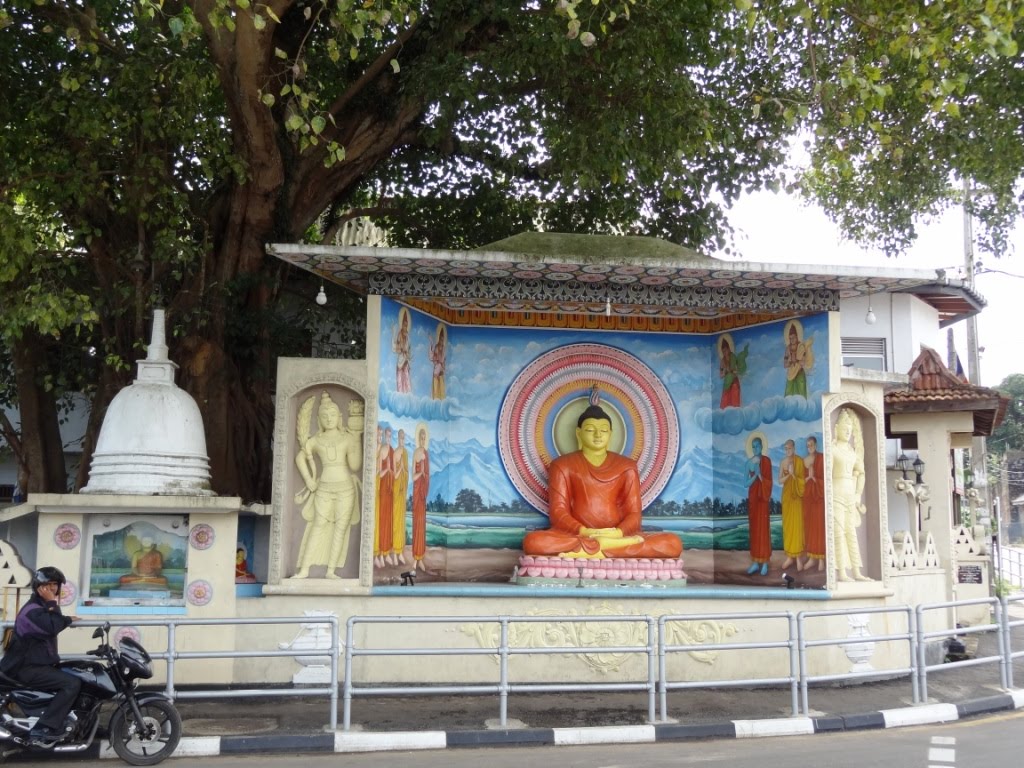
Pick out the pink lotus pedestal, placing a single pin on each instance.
(538, 569)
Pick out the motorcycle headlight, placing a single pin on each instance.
(135, 659)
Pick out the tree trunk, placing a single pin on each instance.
(42, 446)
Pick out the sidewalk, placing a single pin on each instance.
(300, 724)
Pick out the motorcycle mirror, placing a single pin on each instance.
(98, 632)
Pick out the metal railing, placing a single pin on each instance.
(665, 648)
(650, 638)
(909, 636)
(1008, 564)
(504, 650)
(924, 636)
(171, 656)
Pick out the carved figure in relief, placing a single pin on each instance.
(420, 492)
(814, 505)
(330, 500)
(792, 480)
(759, 494)
(846, 461)
(594, 501)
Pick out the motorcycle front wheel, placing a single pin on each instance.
(148, 742)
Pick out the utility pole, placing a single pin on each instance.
(978, 469)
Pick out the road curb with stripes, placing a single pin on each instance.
(361, 741)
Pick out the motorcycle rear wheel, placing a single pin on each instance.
(151, 742)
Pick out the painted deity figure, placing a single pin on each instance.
(814, 505)
(147, 567)
(759, 494)
(401, 345)
(594, 502)
(438, 356)
(792, 478)
(420, 492)
(730, 367)
(384, 532)
(846, 461)
(330, 500)
(399, 497)
(798, 359)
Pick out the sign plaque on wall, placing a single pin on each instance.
(969, 574)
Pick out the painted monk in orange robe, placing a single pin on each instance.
(814, 504)
(594, 502)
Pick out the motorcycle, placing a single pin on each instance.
(144, 729)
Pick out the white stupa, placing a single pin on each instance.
(152, 439)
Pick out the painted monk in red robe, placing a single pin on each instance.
(594, 502)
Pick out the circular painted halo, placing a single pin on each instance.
(67, 536)
(537, 421)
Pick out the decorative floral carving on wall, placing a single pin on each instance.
(199, 592)
(598, 634)
(67, 536)
(201, 536)
(68, 593)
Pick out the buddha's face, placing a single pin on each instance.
(594, 434)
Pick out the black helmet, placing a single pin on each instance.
(47, 574)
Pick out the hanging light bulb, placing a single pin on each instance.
(608, 307)
(321, 297)
(870, 317)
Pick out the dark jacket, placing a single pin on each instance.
(35, 636)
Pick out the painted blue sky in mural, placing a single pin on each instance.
(482, 362)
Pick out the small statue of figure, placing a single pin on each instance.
(331, 500)
(242, 573)
(846, 461)
(594, 501)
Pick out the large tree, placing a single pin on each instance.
(150, 150)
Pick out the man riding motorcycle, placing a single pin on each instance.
(32, 657)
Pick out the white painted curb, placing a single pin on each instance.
(1018, 698)
(922, 715)
(790, 726)
(389, 742)
(618, 734)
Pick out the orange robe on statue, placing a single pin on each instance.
(581, 495)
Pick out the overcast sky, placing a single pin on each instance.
(775, 227)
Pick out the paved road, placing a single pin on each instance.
(993, 742)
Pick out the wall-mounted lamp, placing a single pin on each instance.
(870, 317)
(917, 490)
(321, 297)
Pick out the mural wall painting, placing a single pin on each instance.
(725, 432)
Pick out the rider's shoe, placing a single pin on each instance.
(44, 737)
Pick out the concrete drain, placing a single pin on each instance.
(208, 726)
